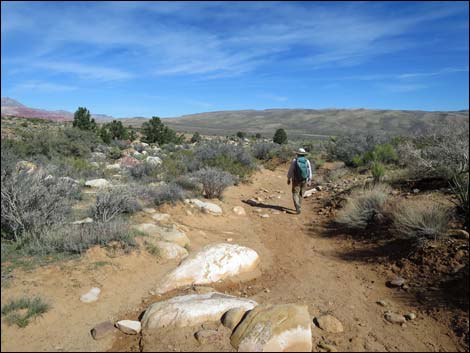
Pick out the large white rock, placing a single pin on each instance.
(97, 183)
(274, 328)
(129, 326)
(192, 310)
(206, 206)
(213, 263)
(91, 296)
(153, 160)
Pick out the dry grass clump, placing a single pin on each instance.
(363, 206)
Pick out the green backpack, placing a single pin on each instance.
(301, 169)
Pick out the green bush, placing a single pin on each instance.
(114, 153)
(113, 202)
(363, 206)
(155, 131)
(378, 171)
(385, 153)
(280, 137)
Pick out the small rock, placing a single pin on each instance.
(410, 316)
(238, 210)
(397, 282)
(91, 296)
(329, 323)
(149, 210)
(129, 327)
(229, 239)
(395, 318)
(265, 215)
(382, 303)
(97, 183)
(102, 330)
(327, 347)
(415, 191)
(85, 220)
(206, 336)
(233, 317)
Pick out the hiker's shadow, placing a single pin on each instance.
(253, 203)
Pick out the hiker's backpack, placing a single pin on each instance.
(301, 169)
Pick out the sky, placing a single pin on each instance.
(168, 59)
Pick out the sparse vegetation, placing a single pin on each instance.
(364, 206)
(420, 220)
(113, 202)
(33, 307)
(214, 181)
(168, 193)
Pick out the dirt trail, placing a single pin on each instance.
(298, 263)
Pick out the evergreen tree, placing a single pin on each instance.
(117, 130)
(155, 131)
(103, 132)
(82, 119)
(280, 136)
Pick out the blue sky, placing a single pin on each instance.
(173, 58)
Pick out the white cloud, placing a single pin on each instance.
(39, 86)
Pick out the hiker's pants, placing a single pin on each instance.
(298, 188)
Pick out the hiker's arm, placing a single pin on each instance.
(309, 177)
(290, 173)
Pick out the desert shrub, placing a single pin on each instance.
(357, 161)
(378, 171)
(196, 137)
(168, 193)
(112, 202)
(420, 220)
(346, 148)
(114, 153)
(189, 183)
(385, 153)
(231, 158)
(144, 170)
(82, 119)
(78, 238)
(31, 308)
(121, 144)
(31, 202)
(264, 151)
(363, 206)
(214, 181)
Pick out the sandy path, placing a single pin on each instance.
(298, 265)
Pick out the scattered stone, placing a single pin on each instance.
(192, 310)
(252, 202)
(207, 336)
(161, 217)
(149, 210)
(97, 183)
(265, 215)
(238, 210)
(319, 188)
(208, 207)
(129, 327)
(171, 251)
(274, 328)
(259, 199)
(229, 239)
(233, 317)
(102, 330)
(415, 191)
(153, 161)
(410, 316)
(115, 166)
(382, 303)
(85, 220)
(213, 263)
(147, 228)
(397, 282)
(395, 318)
(329, 323)
(310, 192)
(174, 235)
(91, 296)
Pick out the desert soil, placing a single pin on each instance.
(299, 264)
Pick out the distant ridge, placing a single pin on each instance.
(297, 122)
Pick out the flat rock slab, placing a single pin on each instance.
(169, 234)
(238, 210)
(395, 318)
(97, 183)
(171, 251)
(208, 207)
(213, 263)
(129, 327)
(161, 217)
(192, 310)
(274, 328)
(92, 295)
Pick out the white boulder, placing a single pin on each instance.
(213, 263)
(206, 206)
(171, 251)
(97, 183)
(192, 310)
(240, 211)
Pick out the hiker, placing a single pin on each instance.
(300, 171)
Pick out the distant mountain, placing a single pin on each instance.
(11, 107)
(311, 122)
